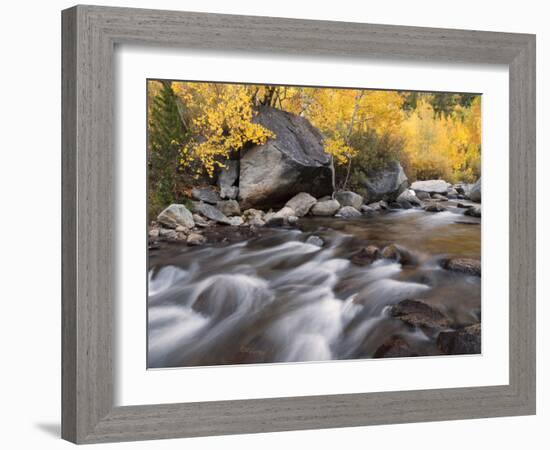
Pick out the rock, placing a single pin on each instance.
(385, 184)
(409, 196)
(325, 208)
(434, 207)
(294, 161)
(229, 192)
(201, 221)
(236, 221)
(348, 212)
(378, 206)
(465, 341)
(182, 229)
(227, 179)
(324, 198)
(349, 198)
(459, 188)
(207, 195)
(285, 213)
(421, 195)
(473, 211)
(452, 193)
(464, 265)
(301, 203)
(420, 314)
(168, 234)
(176, 215)
(475, 192)
(315, 240)
(439, 197)
(430, 186)
(404, 204)
(154, 233)
(399, 254)
(462, 205)
(366, 255)
(212, 213)
(293, 220)
(250, 213)
(229, 207)
(394, 347)
(366, 209)
(196, 239)
(256, 222)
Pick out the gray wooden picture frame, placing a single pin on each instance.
(90, 34)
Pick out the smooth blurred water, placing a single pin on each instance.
(276, 298)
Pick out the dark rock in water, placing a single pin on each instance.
(326, 208)
(347, 212)
(464, 265)
(315, 240)
(475, 192)
(301, 203)
(196, 239)
(385, 184)
(473, 211)
(439, 197)
(462, 205)
(366, 255)
(466, 341)
(395, 205)
(464, 222)
(405, 204)
(176, 215)
(420, 314)
(434, 207)
(293, 162)
(421, 195)
(212, 213)
(349, 198)
(229, 207)
(207, 195)
(395, 347)
(378, 206)
(452, 193)
(430, 186)
(366, 209)
(399, 254)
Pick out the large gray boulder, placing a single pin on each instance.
(301, 203)
(292, 162)
(475, 192)
(385, 184)
(430, 186)
(349, 198)
(176, 215)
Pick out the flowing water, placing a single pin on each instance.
(273, 297)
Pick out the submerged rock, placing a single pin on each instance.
(464, 265)
(293, 161)
(315, 240)
(349, 198)
(434, 207)
(378, 206)
(420, 314)
(325, 208)
(348, 212)
(473, 211)
(399, 254)
(176, 215)
(366, 255)
(301, 203)
(395, 347)
(465, 341)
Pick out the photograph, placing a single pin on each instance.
(293, 224)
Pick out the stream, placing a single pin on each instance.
(272, 297)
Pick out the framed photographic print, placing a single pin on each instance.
(278, 224)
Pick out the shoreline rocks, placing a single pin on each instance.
(386, 184)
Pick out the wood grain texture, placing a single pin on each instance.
(89, 36)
